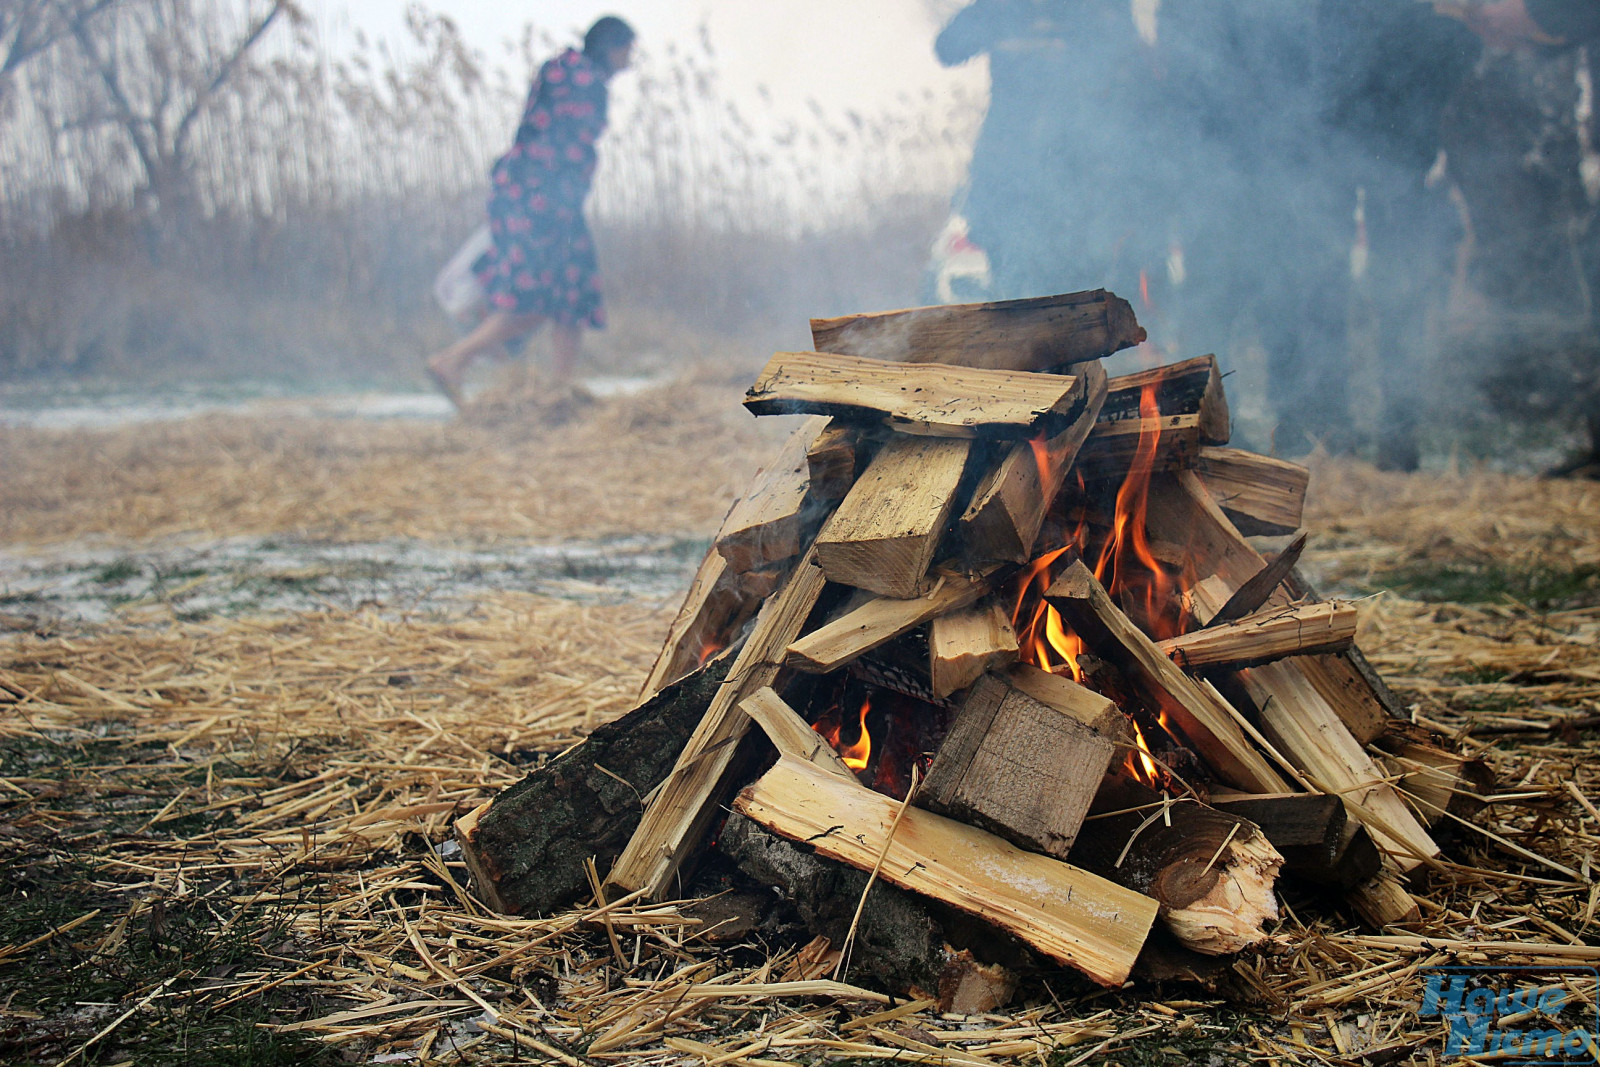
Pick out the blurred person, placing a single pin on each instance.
(542, 266)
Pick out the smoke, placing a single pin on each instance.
(1252, 175)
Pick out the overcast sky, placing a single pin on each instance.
(845, 53)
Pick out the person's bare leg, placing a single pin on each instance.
(450, 364)
(564, 339)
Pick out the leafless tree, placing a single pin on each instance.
(159, 65)
(31, 27)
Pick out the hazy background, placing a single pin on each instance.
(232, 190)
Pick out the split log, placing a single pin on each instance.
(1319, 843)
(1213, 872)
(1009, 505)
(526, 848)
(718, 603)
(1262, 495)
(1356, 690)
(1294, 715)
(1204, 719)
(917, 398)
(674, 823)
(767, 524)
(885, 531)
(1267, 635)
(833, 459)
(1259, 587)
(1109, 451)
(1030, 335)
(902, 942)
(1069, 915)
(876, 622)
(1305, 728)
(790, 734)
(1098, 712)
(1383, 900)
(1018, 768)
(1307, 829)
(1192, 387)
(1440, 785)
(964, 644)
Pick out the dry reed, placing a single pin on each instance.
(311, 765)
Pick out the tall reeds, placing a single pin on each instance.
(326, 189)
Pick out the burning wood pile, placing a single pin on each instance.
(992, 634)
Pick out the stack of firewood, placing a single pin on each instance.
(1084, 704)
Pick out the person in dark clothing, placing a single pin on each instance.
(542, 267)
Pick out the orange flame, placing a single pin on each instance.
(1127, 564)
(1140, 763)
(1144, 288)
(856, 756)
(1041, 456)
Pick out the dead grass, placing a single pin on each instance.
(669, 462)
(278, 788)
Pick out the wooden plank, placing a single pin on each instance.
(674, 824)
(1262, 495)
(1270, 634)
(916, 398)
(790, 734)
(1030, 335)
(767, 523)
(1018, 768)
(1009, 505)
(1213, 872)
(1259, 587)
(1210, 727)
(1073, 917)
(964, 644)
(877, 621)
(885, 531)
(1435, 781)
(833, 459)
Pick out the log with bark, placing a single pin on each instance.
(1213, 872)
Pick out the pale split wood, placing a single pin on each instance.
(1095, 711)
(715, 606)
(877, 621)
(887, 528)
(1261, 494)
(765, 525)
(964, 644)
(1034, 334)
(675, 820)
(915, 398)
(1071, 916)
(1209, 727)
(790, 734)
(1306, 729)
(1008, 507)
(1294, 713)
(1272, 633)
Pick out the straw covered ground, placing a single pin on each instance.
(222, 835)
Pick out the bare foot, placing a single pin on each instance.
(447, 383)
